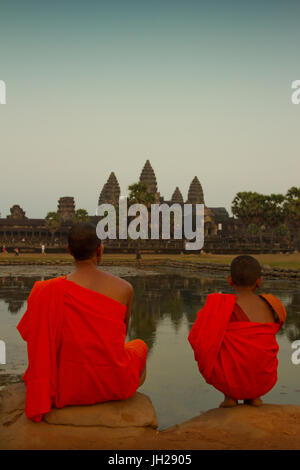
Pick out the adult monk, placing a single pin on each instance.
(75, 327)
(233, 337)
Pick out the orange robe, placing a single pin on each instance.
(239, 358)
(76, 348)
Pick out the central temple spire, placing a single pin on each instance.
(148, 177)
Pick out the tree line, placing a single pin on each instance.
(278, 214)
(53, 221)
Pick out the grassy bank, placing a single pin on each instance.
(286, 261)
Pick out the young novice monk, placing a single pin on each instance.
(75, 327)
(233, 337)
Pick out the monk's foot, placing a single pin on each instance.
(228, 403)
(254, 402)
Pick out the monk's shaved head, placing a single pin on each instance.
(83, 241)
(245, 270)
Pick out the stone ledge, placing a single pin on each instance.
(136, 411)
(267, 271)
(243, 427)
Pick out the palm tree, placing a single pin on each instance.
(81, 216)
(140, 194)
(249, 207)
(274, 212)
(292, 212)
(52, 223)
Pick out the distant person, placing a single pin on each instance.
(234, 340)
(43, 249)
(75, 327)
(4, 251)
(17, 251)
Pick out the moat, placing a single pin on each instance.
(164, 309)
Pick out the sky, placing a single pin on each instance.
(197, 87)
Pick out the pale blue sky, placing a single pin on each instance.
(199, 88)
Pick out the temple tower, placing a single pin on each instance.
(195, 194)
(177, 197)
(16, 212)
(66, 209)
(148, 177)
(110, 193)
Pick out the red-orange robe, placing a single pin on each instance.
(76, 348)
(239, 358)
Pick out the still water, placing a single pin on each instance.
(164, 310)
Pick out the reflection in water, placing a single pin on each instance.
(292, 324)
(14, 291)
(176, 298)
(163, 312)
(165, 296)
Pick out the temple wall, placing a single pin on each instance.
(29, 239)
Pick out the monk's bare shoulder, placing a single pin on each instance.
(120, 285)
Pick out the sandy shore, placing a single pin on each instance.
(282, 266)
(286, 261)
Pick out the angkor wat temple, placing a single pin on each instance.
(214, 217)
(221, 230)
